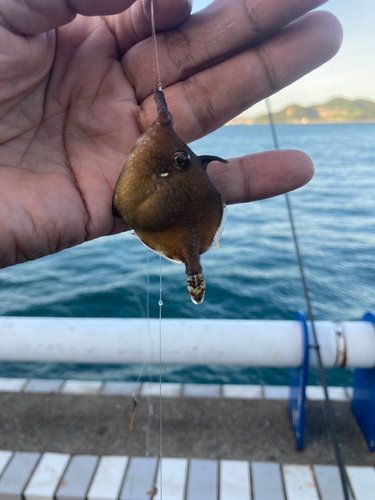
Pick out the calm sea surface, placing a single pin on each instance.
(253, 275)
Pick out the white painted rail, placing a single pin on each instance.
(90, 477)
(362, 480)
(174, 474)
(108, 478)
(5, 456)
(235, 480)
(47, 476)
(299, 482)
(197, 342)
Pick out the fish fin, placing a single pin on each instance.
(157, 251)
(206, 159)
(196, 286)
(215, 242)
(171, 260)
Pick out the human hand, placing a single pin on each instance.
(75, 97)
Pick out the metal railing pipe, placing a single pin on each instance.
(254, 343)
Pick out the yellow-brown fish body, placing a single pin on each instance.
(167, 198)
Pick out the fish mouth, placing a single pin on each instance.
(164, 117)
(115, 211)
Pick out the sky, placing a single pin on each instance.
(351, 73)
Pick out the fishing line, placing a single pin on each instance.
(148, 320)
(140, 373)
(156, 69)
(149, 402)
(330, 417)
(159, 87)
(160, 400)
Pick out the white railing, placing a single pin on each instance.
(184, 341)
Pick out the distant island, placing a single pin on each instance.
(337, 110)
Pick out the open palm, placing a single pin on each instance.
(76, 93)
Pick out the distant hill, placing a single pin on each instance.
(337, 110)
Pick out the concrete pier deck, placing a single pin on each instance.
(221, 428)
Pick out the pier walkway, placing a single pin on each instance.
(80, 477)
(71, 440)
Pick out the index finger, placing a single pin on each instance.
(262, 175)
(207, 100)
(210, 36)
(39, 16)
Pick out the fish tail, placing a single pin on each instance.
(196, 286)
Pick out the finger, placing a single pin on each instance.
(134, 25)
(208, 37)
(263, 175)
(39, 16)
(209, 99)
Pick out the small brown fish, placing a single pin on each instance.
(167, 198)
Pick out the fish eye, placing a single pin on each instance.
(181, 159)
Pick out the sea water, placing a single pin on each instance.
(254, 275)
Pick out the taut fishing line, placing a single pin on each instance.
(330, 417)
(160, 400)
(156, 68)
(159, 87)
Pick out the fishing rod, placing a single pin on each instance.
(330, 417)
